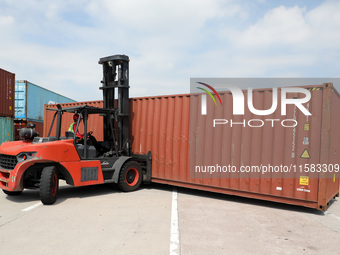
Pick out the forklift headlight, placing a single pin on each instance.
(25, 156)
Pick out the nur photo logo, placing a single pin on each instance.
(280, 97)
(204, 97)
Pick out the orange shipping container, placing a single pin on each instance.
(165, 126)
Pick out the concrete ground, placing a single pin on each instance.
(102, 220)
(218, 224)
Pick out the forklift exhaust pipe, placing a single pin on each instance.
(60, 113)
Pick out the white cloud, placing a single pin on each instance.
(151, 15)
(281, 25)
(285, 41)
(6, 20)
(325, 22)
(294, 28)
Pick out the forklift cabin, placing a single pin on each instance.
(89, 147)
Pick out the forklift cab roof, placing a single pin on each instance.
(82, 108)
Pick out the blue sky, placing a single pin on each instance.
(57, 44)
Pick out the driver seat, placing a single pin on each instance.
(69, 134)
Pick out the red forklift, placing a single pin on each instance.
(39, 162)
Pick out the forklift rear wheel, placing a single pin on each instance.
(130, 177)
(49, 185)
(12, 193)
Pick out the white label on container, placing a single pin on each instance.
(304, 190)
(305, 141)
(278, 188)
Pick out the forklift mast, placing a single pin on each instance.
(116, 75)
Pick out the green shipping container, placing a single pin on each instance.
(6, 129)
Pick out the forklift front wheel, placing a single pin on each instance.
(49, 185)
(130, 177)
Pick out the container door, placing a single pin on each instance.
(20, 100)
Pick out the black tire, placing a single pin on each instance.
(49, 184)
(12, 193)
(130, 176)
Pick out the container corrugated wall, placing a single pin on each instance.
(6, 129)
(30, 100)
(162, 125)
(7, 80)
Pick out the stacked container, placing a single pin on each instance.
(7, 80)
(29, 104)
